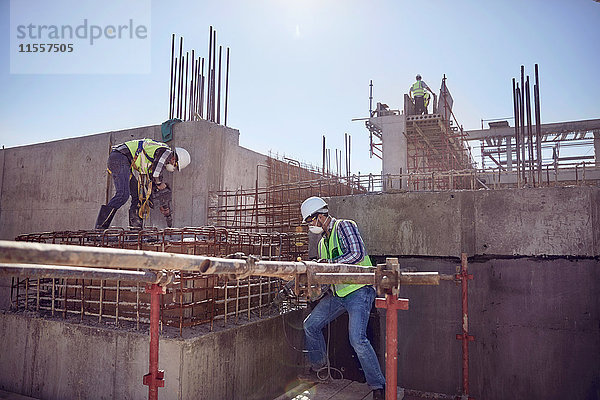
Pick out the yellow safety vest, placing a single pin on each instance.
(331, 249)
(143, 154)
(417, 89)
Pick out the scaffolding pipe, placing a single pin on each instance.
(54, 271)
(155, 377)
(464, 277)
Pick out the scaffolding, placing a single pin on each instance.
(190, 299)
(276, 208)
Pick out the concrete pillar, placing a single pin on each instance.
(597, 147)
(509, 153)
(395, 159)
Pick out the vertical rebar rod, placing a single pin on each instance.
(53, 295)
(538, 126)
(226, 284)
(529, 130)
(101, 305)
(237, 299)
(171, 80)
(180, 81)
(117, 303)
(65, 298)
(82, 299)
(192, 87)
(37, 302)
(226, 85)
(214, 77)
(201, 105)
(27, 293)
(209, 60)
(249, 298)
(185, 84)
(219, 89)
(174, 99)
(522, 119)
(324, 151)
(260, 295)
(516, 114)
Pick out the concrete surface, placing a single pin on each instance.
(507, 222)
(395, 157)
(535, 321)
(60, 185)
(54, 359)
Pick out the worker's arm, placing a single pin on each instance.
(352, 244)
(159, 163)
(427, 87)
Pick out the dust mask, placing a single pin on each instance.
(315, 229)
(170, 167)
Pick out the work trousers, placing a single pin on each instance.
(420, 105)
(358, 305)
(125, 183)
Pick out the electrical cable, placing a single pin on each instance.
(328, 368)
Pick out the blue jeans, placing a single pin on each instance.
(125, 183)
(358, 305)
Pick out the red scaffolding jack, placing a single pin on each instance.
(155, 377)
(392, 303)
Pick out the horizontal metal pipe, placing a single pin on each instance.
(406, 278)
(347, 278)
(71, 255)
(419, 278)
(82, 256)
(54, 271)
(276, 268)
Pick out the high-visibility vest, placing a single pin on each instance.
(143, 152)
(417, 89)
(331, 249)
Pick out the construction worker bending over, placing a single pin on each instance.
(136, 167)
(341, 243)
(417, 93)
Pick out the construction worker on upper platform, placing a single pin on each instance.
(417, 94)
(136, 167)
(341, 243)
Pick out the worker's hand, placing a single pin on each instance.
(162, 186)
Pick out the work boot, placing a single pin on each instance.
(379, 394)
(135, 221)
(105, 217)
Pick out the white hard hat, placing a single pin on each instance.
(312, 205)
(183, 158)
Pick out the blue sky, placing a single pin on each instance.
(301, 69)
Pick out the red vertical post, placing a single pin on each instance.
(155, 378)
(464, 276)
(392, 304)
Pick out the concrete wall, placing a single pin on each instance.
(545, 221)
(533, 303)
(53, 359)
(60, 185)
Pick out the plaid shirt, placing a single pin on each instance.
(351, 243)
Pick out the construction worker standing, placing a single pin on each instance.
(417, 90)
(341, 243)
(136, 167)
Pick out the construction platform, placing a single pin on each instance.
(337, 389)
